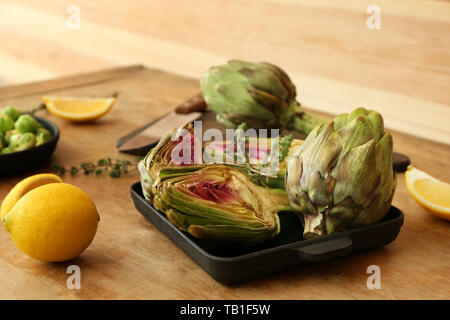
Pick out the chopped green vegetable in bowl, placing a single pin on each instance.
(8, 134)
(14, 139)
(19, 131)
(26, 141)
(42, 135)
(6, 123)
(26, 123)
(6, 150)
(3, 141)
(11, 112)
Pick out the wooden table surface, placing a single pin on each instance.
(401, 69)
(131, 259)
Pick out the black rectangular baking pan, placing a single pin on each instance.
(288, 250)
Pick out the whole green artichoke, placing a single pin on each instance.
(259, 94)
(342, 175)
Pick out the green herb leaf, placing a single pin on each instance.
(114, 173)
(73, 170)
(115, 167)
(285, 144)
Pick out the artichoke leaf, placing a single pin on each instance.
(241, 236)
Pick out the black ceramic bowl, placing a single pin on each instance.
(17, 162)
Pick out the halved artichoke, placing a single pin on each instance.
(221, 203)
(159, 162)
(263, 166)
(265, 158)
(342, 175)
(227, 203)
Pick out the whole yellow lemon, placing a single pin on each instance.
(53, 222)
(24, 186)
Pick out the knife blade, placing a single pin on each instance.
(141, 140)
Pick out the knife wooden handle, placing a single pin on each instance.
(194, 104)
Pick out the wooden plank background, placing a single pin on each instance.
(337, 63)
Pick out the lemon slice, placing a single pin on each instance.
(430, 193)
(25, 186)
(78, 109)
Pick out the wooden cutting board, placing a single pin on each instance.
(131, 259)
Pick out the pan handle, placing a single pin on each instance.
(325, 250)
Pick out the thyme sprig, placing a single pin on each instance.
(285, 145)
(283, 150)
(114, 167)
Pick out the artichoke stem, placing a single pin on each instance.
(306, 122)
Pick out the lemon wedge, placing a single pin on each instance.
(429, 192)
(76, 109)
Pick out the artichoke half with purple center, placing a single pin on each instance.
(262, 164)
(215, 201)
(260, 94)
(220, 202)
(342, 175)
(159, 163)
